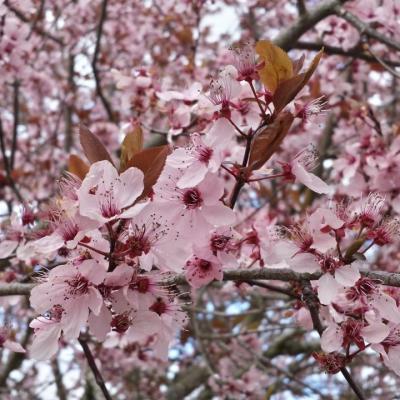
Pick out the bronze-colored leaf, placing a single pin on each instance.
(267, 142)
(298, 64)
(288, 89)
(151, 161)
(77, 166)
(131, 145)
(92, 147)
(278, 66)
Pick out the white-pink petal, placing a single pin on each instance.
(310, 180)
(328, 288)
(347, 275)
(331, 338)
(376, 332)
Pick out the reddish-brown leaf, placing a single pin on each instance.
(278, 66)
(267, 142)
(131, 145)
(92, 147)
(289, 88)
(151, 161)
(77, 166)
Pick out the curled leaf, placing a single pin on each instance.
(92, 147)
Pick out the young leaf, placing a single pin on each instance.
(132, 144)
(269, 139)
(77, 166)
(151, 161)
(278, 66)
(92, 147)
(288, 89)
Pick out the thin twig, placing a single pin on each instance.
(95, 370)
(99, 34)
(15, 126)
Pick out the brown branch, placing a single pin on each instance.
(288, 38)
(365, 29)
(95, 370)
(7, 166)
(61, 391)
(384, 64)
(353, 53)
(301, 7)
(99, 34)
(241, 275)
(15, 126)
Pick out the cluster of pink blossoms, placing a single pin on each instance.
(122, 249)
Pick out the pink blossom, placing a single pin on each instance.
(73, 287)
(203, 268)
(299, 168)
(47, 332)
(105, 196)
(336, 276)
(194, 210)
(204, 155)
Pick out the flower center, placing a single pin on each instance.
(79, 285)
(192, 198)
(139, 243)
(205, 154)
(108, 206)
(121, 323)
(219, 242)
(159, 307)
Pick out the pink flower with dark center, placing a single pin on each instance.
(74, 289)
(152, 240)
(223, 90)
(105, 195)
(202, 269)
(205, 154)
(195, 210)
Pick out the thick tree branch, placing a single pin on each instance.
(242, 275)
(288, 38)
(366, 29)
